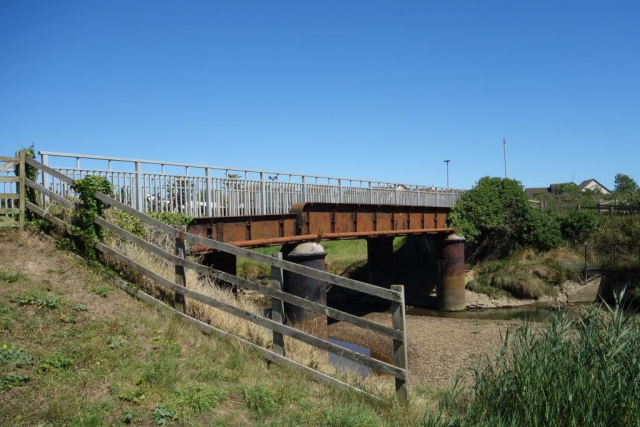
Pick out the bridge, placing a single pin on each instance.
(253, 208)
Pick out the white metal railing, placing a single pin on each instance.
(201, 190)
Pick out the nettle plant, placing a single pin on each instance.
(83, 227)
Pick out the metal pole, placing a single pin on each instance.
(208, 199)
(447, 162)
(504, 148)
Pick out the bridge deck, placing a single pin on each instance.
(322, 221)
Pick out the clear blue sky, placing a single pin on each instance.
(384, 90)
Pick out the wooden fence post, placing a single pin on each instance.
(277, 306)
(400, 347)
(181, 277)
(22, 170)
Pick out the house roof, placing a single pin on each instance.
(531, 192)
(584, 184)
(558, 184)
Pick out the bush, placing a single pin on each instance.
(542, 230)
(579, 226)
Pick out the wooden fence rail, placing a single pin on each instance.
(12, 190)
(276, 324)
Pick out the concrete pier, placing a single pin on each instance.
(451, 284)
(380, 267)
(312, 255)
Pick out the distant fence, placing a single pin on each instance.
(606, 209)
(200, 190)
(600, 258)
(397, 331)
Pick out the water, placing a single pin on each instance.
(347, 364)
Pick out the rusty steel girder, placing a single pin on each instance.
(322, 221)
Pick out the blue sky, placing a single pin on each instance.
(372, 89)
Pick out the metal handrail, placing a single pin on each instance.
(221, 168)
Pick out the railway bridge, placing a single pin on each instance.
(254, 208)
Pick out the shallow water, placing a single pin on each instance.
(531, 314)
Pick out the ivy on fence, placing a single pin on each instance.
(83, 227)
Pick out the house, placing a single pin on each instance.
(567, 187)
(593, 185)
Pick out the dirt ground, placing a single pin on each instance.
(438, 347)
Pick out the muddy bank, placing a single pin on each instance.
(569, 293)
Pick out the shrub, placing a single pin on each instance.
(579, 226)
(542, 230)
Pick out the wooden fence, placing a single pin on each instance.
(608, 208)
(276, 324)
(12, 190)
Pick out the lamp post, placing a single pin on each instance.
(447, 162)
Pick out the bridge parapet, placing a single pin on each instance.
(215, 191)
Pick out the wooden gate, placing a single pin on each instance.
(12, 191)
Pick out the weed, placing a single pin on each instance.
(101, 290)
(11, 278)
(127, 418)
(136, 395)
(6, 317)
(261, 400)
(7, 382)
(55, 362)
(33, 298)
(65, 244)
(197, 398)
(79, 307)
(115, 342)
(162, 415)
(15, 357)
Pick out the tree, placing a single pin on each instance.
(625, 184)
(495, 206)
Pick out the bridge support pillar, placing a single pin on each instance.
(312, 255)
(380, 267)
(224, 262)
(451, 284)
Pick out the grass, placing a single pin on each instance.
(120, 361)
(569, 374)
(117, 360)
